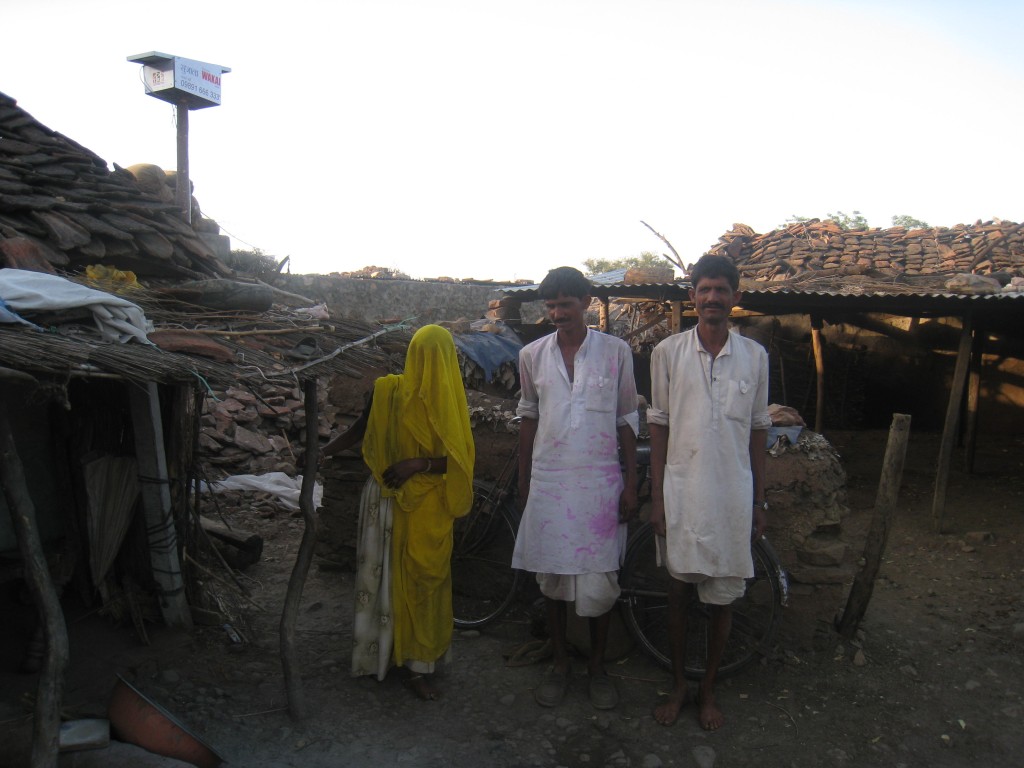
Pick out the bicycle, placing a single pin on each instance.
(485, 585)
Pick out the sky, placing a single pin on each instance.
(498, 139)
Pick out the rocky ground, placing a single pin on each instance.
(935, 677)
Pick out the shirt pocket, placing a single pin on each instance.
(739, 400)
(600, 395)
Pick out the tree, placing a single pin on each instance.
(645, 259)
(909, 222)
(254, 262)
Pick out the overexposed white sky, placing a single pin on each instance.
(498, 139)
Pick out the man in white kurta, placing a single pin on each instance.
(711, 404)
(708, 416)
(578, 404)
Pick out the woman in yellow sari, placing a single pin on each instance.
(419, 448)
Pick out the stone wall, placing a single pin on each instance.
(375, 300)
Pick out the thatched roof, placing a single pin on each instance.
(61, 207)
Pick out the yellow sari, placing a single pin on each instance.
(422, 413)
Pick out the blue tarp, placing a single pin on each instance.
(489, 350)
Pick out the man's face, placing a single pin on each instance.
(567, 313)
(713, 299)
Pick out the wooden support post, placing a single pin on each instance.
(603, 314)
(677, 316)
(819, 368)
(952, 423)
(289, 661)
(973, 399)
(144, 400)
(881, 523)
(50, 690)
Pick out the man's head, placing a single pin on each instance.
(566, 295)
(715, 290)
(567, 281)
(710, 265)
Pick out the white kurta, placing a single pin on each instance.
(710, 406)
(571, 522)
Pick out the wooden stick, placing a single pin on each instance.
(973, 400)
(952, 423)
(50, 689)
(881, 522)
(289, 661)
(258, 332)
(678, 260)
(819, 368)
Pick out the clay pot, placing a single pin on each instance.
(137, 720)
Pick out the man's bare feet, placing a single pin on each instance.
(709, 715)
(421, 686)
(668, 713)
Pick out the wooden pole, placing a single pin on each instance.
(50, 690)
(881, 522)
(952, 423)
(603, 314)
(154, 485)
(973, 400)
(182, 185)
(289, 662)
(819, 368)
(677, 316)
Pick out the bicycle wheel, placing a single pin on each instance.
(755, 616)
(484, 583)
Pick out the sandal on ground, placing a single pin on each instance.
(553, 687)
(603, 693)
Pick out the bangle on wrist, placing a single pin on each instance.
(430, 465)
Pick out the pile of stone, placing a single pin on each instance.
(804, 249)
(259, 430)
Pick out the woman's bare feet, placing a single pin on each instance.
(709, 715)
(421, 686)
(668, 713)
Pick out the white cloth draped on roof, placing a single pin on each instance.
(117, 319)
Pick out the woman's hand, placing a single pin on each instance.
(396, 475)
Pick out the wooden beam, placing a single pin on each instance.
(603, 314)
(50, 688)
(952, 423)
(881, 523)
(819, 368)
(289, 661)
(973, 400)
(676, 324)
(144, 401)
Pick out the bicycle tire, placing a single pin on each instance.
(484, 584)
(755, 616)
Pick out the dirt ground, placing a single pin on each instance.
(936, 677)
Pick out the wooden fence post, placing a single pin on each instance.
(881, 522)
(289, 662)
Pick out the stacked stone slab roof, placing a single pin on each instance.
(815, 249)
(62, 208)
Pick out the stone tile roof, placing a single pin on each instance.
(926, 257)
(61, 207)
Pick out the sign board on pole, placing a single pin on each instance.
(177, 79)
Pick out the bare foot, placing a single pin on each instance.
(421, 686)
(668, 713)
(709, 715)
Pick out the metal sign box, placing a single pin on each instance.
(178, 80)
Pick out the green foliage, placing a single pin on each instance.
(849, 222)
(645, 259)
(909, 222)
(254, 262)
